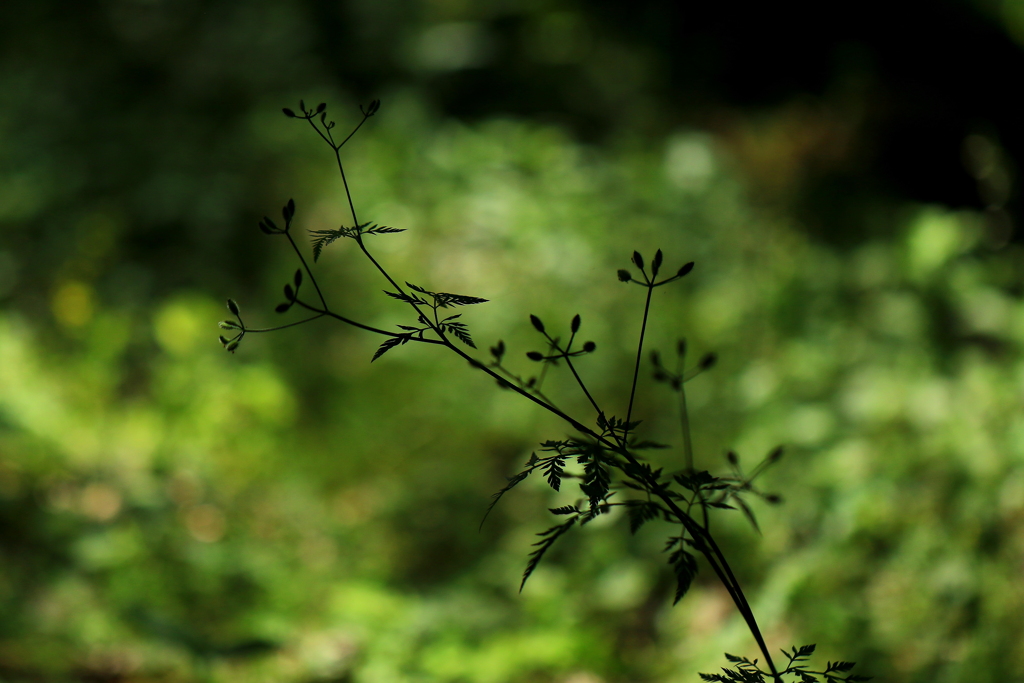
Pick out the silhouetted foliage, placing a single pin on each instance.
(604, 458)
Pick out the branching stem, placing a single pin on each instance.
(609, 440)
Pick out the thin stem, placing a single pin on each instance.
(352, 207)
(576, 424)
(362, 326)
(342, 143)
(519, 379)
(636, 369)
(305, 266)
(712, 553)
(583, 386)
(575, 374)
(281, 327)
(344, 180)
(684, 419)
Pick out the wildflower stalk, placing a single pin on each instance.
(604, 452)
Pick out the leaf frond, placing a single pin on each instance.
(548, 539)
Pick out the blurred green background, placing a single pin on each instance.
(171, 512)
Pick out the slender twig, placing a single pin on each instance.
(281, 327)
(362, 326)
(312, 278)
(639, 353)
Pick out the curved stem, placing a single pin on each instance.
(362, 326)
(281, 327)
(309, 273)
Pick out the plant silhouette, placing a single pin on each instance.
(605, 457)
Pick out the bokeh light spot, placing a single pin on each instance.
(205, 523)
(73, 304)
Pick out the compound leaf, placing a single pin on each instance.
(685, 565)
(641, 512)
(324, 237)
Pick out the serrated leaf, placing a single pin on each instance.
(381, 230)
(322, 238)
(685, 566)
(389, 343)
(461, 333)
(806, 650)
(564, 510)
(512, 481)
(445, 299)
(402, 296)
(553, 470)
(640, 513)
(548, 539)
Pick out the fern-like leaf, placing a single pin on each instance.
(512, 481)
(547, 540)
(685, 566)
(641, 512)
(461, 333)
(401, 296)
(553, 469)
(380, 230)
(322, 238)
(389, 343)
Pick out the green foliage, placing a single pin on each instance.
(889, 367)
